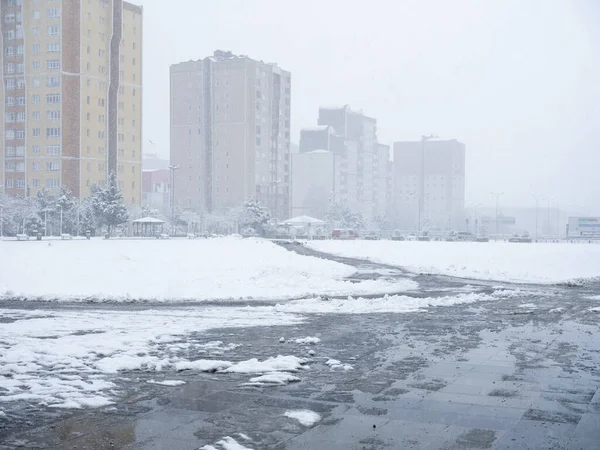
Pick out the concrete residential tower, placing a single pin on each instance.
(230, 133)
(429, 185)
(72, 96)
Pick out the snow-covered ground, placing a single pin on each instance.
(501, 261)
(172, 270)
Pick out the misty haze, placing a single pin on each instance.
(314, 224)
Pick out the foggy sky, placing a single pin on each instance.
(517, 81)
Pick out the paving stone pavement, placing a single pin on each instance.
(489, 375)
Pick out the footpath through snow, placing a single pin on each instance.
(173, 270)
(500, 261)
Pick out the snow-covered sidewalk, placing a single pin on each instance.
(500, 261)
(172, 270)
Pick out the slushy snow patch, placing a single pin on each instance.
(227, 443)
(306, 417)
(276, 364)
(502, 261)
(334, 364)
(273, 378)
(597, 309)
(528, 305)
(179, 270)
(308, 340)
(167, 382)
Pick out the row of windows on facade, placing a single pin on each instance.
(35, 115)
(51, 64)
(51, 166)
(51, 132)
(20, 100)
(11, 35)
(19, 151)
(51, 183)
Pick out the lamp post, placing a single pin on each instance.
(173, 168)
(537, 213)
(497, 195)
(61, 219)
(422, 195)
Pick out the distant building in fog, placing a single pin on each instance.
(359, 178)
(156, 189)
(429, 182)
(230, 133)
(315, 177)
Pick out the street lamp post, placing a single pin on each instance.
(61, 219)
(537, 213)
(497, 195)
(422, 195)
(173, 168)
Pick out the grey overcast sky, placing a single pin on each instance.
(518, 81)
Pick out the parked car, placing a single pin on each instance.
(464, 236)
(371, 237)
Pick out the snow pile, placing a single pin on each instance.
(306, 417)
(502, 261)
(172, 270)
(308, 340)
(596, 309)
(388, 303)
(167, 382)
(334, 364)
(278, 364)
(273, 378)
(227, 443)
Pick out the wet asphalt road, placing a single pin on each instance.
(484, 375)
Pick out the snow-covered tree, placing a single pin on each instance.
(108, 205)
(87, 218)
(69, 205)
(340, 216)
(255, 216)
(147, 211)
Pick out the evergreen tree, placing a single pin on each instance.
(67, 204)
(108, 205)
(255, 216)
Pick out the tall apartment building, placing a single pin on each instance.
(230, 133)
(352, 138)
(71, 96)
(429, 184)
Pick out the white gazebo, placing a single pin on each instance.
(147, 226)
(305, 224)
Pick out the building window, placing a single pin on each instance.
(52, 98)
(35, 49)
(20, 68)
(52, 149)
(10, 84)
(35, 182)
(36, 132)
(9, 117)
(9, 35)
(53, 30)
(52, 183)
(35, 166)
(36, 98)
(52, 166)
(53, 13)
(36, 82)
(21, 100)
(9, 68)
(10, 101)
(20, 150)
(52, 81)
(21, 116)
(53, 132)
(53, 115)
(35, 65)
(9, 51)
(20, 184)
(20, 134)
(53, 47)
(36, 14)
(20, 50)
(35, 149)
(53, 64)
(35, 31)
